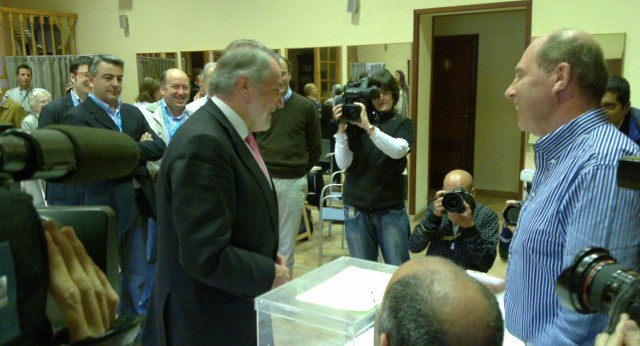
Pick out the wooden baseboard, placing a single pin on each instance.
(495, 193)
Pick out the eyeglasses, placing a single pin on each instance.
(82, 74)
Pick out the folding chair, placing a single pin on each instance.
(331, 196)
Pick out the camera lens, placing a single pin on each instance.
(593, 281)
(511, 214)
(453, 202)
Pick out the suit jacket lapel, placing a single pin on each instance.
(67, 104)
(100, 115)
(158, 117)
(247, 157)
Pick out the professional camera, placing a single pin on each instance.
(595, 282)
(68, 154)
(454, 201)
(511, 214)
(357, 92)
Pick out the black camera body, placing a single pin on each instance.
(595, 281)
(357, 92)
(453, 201)
(511, 214)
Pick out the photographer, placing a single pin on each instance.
(468, 238)
(374, 153)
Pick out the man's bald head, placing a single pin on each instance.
(432, 301)
(174, 87)
(458, 177)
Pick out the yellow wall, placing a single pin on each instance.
(395, 56)
(497, 138)
(173, 26)
(167, 25)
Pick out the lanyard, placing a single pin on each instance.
(171, 129)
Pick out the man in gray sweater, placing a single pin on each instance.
(290, 148)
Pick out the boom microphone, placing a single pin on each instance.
(63, 153)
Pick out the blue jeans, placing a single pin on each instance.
(152, 248)
(120, 197)
(386, 229)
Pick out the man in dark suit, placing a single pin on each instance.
(217, 211)
(53, 112)
(102, 109)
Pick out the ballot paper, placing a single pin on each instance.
(353, 289)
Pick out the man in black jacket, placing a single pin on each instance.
(53, 112)
(126, 195)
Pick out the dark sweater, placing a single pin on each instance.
(374, 180)
(292, 145)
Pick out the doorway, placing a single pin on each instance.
(498, 145)
(453, 106)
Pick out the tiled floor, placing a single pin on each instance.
(306, 251)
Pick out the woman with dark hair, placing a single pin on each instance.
(374, 152)
(149, 92)
(402, 107)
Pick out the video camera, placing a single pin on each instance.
(595, 282)
(58, 153)
(357, 92)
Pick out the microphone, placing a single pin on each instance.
(64, 153)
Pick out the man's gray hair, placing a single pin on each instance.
(583, 54)
(241, 58)
(208, 66)
(108, 58)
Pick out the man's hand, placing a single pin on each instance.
(79, 287)
(626, 333)
(282, 271)
(464, 219)
(438, 209)
(146, 137)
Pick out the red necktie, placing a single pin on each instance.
(256, 153)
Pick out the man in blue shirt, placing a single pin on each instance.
(618, 108)
(574, 201)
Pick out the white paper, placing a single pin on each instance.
(354, 289)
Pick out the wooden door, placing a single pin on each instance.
(327, 70)
(453, 105)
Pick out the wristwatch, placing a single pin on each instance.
(371, 129)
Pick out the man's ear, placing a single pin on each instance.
(384, 339)
(243, 84)
(473, 191)
(563, 75)
(625, 108)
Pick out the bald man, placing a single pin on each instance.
(168, 114)
(164, 117)
(432, 301)
(468, 238)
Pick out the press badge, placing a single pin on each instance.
(352, 212)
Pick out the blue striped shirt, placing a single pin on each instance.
(574, 203)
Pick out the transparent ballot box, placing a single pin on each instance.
(332, 305)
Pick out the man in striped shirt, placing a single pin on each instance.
(575, 201)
